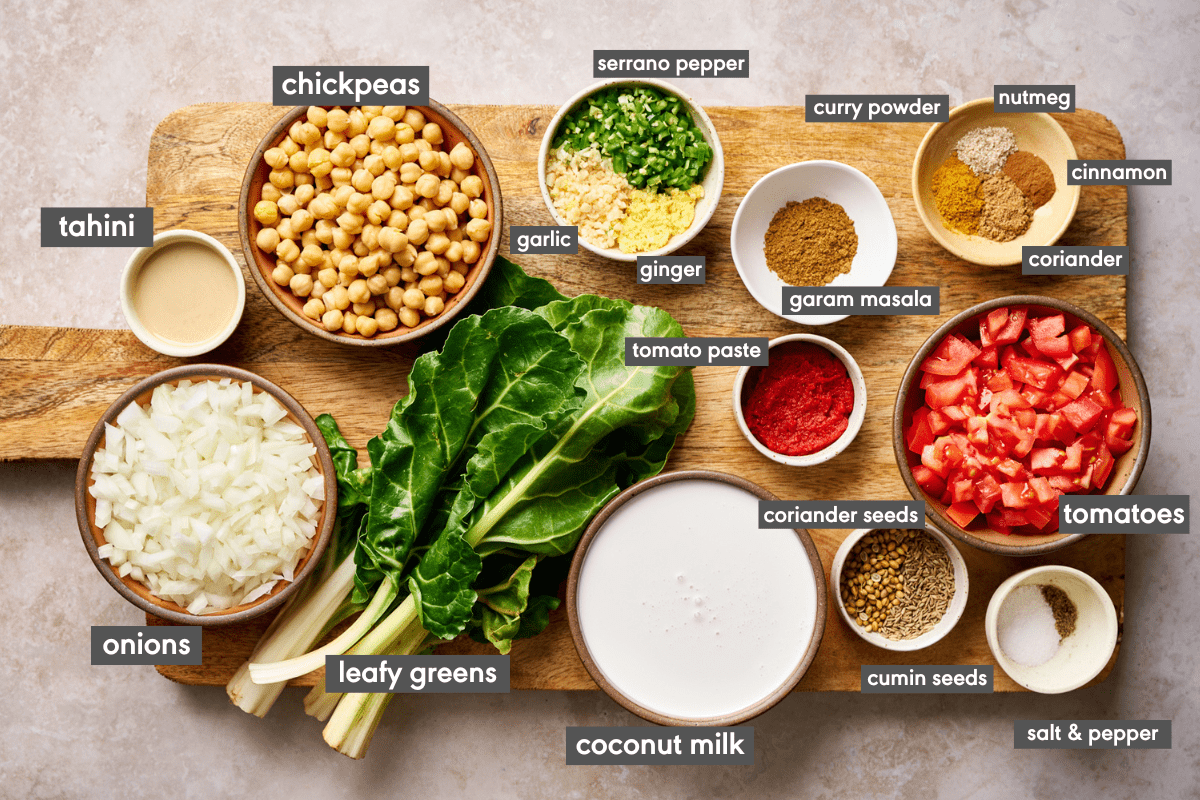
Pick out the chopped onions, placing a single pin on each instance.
(208, 495)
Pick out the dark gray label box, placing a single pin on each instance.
(1146, 513)
(670, 63)
(97, 227)
(660, 351)
(1092, 734)
(139, 644)
(926, 679)
(876, 301)
(671, 269)
(654, 745)
(877, 108)
(1020, 98)
(350, 86)
(1075, 260)
(847, 514)
(560, 240)
(1147, 172)
(417, 674)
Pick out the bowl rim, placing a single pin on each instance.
(954, 611)
(733, 718)
(703, 122)
(486, 259)
(191, 372)
(857, 414)
(133, 267)
(992, 615)
(909, 379)
(927, 219)
(893, 240)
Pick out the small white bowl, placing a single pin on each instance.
(129, 278)
(713, 180)
(837, 183)
(856, 414)
(953, 612)
(1082, 655)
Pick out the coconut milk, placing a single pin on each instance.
(688, 608)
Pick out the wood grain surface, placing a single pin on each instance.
(55, 383)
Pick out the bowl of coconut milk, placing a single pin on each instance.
(684, 611)
(183, 295)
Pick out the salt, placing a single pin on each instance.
(1026, 627)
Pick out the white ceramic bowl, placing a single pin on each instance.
(129, 278)
(953, 612)
(713, 180)
(1083, 654)
(856, 414)
(837, 183)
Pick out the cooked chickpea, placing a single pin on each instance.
(298, 162)
(462, 157)
(392, 239)
(266, 212)
(416, 212)
(358, 203)
(386, 319)
(349, 320)
(430, 285)
(338, 298)
(361, 181)
(382, 128)
(361, 145)
(368, 266)
(456, 234)
(431, 132)
(314, 308)
(454, 252)
(445, 192)
(342, 238)
(324, 230)
(414, 119)
(332, 320)
(453, 282)
(287, 251)
(376, 285)
(328, 278)
(359, 249)
(367, 326)
(409, 317)
(471, 252)
(427, 185)
(457, 175)
(374, 165)
(429, 161)
(286, 231)
(323, 207)
(282, 178)
(304, 195)
(332, 139)
(288, 146)
(434, 306)
(275, 158)
(288, 204)
(337, 120)
(342, 155)
(478, 229)
(472, 186)
(414, 298)
(282, 274)
(358, 291)
(477, 210)
(402, 198)
(367, 308)
(302, 220)
(391, 157)
(435, 220)
(426, 263)
(352, 223)
(411, 173)
(270, 192)
(301, 285)
(267, 240)
(418, 231)
(341, 177)
(312, 255)
(437, 243)
(459, 203)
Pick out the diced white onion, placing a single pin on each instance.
(211, 498)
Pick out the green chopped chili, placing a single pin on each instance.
(648, 134)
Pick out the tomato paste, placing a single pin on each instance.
(801, 402)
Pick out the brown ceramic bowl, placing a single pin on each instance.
(261, 265)
(136, 592)
(735, 718)
(1125, 472)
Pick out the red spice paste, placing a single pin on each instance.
(801, 402)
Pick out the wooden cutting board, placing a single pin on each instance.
(55, 382)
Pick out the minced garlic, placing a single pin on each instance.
(588, 193)
(654, 218)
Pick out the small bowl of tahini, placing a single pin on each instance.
(183, 295)
(686, 613)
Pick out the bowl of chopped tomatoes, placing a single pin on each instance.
(1010, 405)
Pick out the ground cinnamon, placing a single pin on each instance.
(1032, 176)
(810, 243)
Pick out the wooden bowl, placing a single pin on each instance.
(589, 662)
(1125, 472)
(1039, 134)
(136, 592)
(261, 265)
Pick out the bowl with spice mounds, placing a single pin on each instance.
(986, 184)
(1010, 409)
(816, 223)
(806, 406)
(206, 495)
(1051, 629)
(370, 225)
(686, 613)
(636, 165)
(899, 589)
(184, 294)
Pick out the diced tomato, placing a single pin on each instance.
(1117, 444)
(1040, 517)
(933, 461)
(1102, 466)
(1064, 483)
(999, 382)
(1081, 338)
(955, 413)
(962, 491)
(1047, 460)
(1122, 422)
(1046, 335)
(1074, 459)
(927, 479)
(962, 513)
(991, 325)
(1008, 517)
(919, 435)
(1016, 495)
(951, 357)
(1104, 377)
(1102, 399)
(1011, 332)
(1074, 385)
(951, 390)
(1010, 468)
(939, 423)
(977, 431)
(988, 357)
(1082, 414)
(1042, 489)
(1037, 373)
(987, 492)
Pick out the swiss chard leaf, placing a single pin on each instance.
(354, 486)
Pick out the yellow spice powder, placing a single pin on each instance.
(653, 219)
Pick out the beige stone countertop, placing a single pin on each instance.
(83, 85)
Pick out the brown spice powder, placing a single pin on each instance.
(1032, 176)
(1007, 213)
(810, 243)
(1065, 613)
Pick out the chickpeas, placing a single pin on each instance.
(370, 217)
